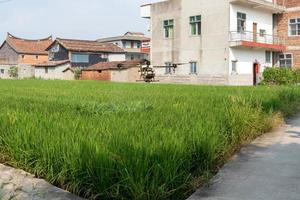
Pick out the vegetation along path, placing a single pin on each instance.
(19, 185)
(267, 169)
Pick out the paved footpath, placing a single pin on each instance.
(19, 185)
(267, 169)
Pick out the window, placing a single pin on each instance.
(37, 57)
(169, 28)
(286, 60)
(46, 70)
(193, 67)
(139, 45)
(132, 57)
(23, 56)
(80, 58)
(294, 25)
(195, 23)
(262, 33)
(268, 56)
(1, 71)
(241, 22)
(168, 67)
(234, 66)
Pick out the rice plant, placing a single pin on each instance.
(131, 141)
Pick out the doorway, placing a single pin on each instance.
(254, 32)
(255, 73)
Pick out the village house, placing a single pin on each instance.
(228, 42)
(289, 28)
(135, 44)
(124, 71)
(66, 56)
(22, 54)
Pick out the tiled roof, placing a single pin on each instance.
(52, 63)
(127, 37)
(24, 46)
(114, 65)
(87, 46)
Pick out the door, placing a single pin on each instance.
(254, 32)
(255, 73)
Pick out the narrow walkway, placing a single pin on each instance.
(267, 169)
(19, 185)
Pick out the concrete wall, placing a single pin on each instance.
(210, 50)
(126, 75)
(54, 73)
(24, 71)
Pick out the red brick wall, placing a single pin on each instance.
(283, 32)
(96, 75)
(289, 3)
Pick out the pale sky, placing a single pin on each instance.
(81, 19)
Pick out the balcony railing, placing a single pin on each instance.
(248, 36)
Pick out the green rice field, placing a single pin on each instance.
(132, 141)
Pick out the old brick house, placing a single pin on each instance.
(22, 53)
(124, 71)
(66, 55)
(288, 27)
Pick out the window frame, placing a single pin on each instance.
(77, 60)
(2, 71)
(285, 59)
(197, 23)
(46, 70)
(297, 24)
(167, 26)
(241, 19)
(168, 68)
(268, 61)
(234, 66)
(194, 67)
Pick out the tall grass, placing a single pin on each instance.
(126, 141)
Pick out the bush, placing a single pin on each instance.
(281, 76)
(13, 72)
(77, 73)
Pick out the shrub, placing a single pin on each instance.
(77, 73)
(13, 72)
(280, 76)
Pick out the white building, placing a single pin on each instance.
(227, 42)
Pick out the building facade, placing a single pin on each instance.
(66, 56)
(136, 45)
(22, 54)
(289, 29)
(228, 42)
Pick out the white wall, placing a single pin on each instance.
(246, 58)
(263, 19)
(54, 73)
(116, 57)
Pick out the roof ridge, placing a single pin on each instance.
(9, 35)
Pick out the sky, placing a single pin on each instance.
(77, 19)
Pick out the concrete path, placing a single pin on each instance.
(267, 169)
(19, 185)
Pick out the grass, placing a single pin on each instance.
(132, 141)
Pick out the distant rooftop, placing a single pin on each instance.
(129, 36)
(87, 46)
(26, 46)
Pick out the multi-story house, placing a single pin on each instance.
(288, 27)
(22, 53)
(227, 42)
(66, 55)
(136, 45)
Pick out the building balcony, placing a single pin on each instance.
(267, 5)
(253, 40)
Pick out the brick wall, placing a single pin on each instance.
(96, 75)
(289, 3)
(292, 42)
(32, 59)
